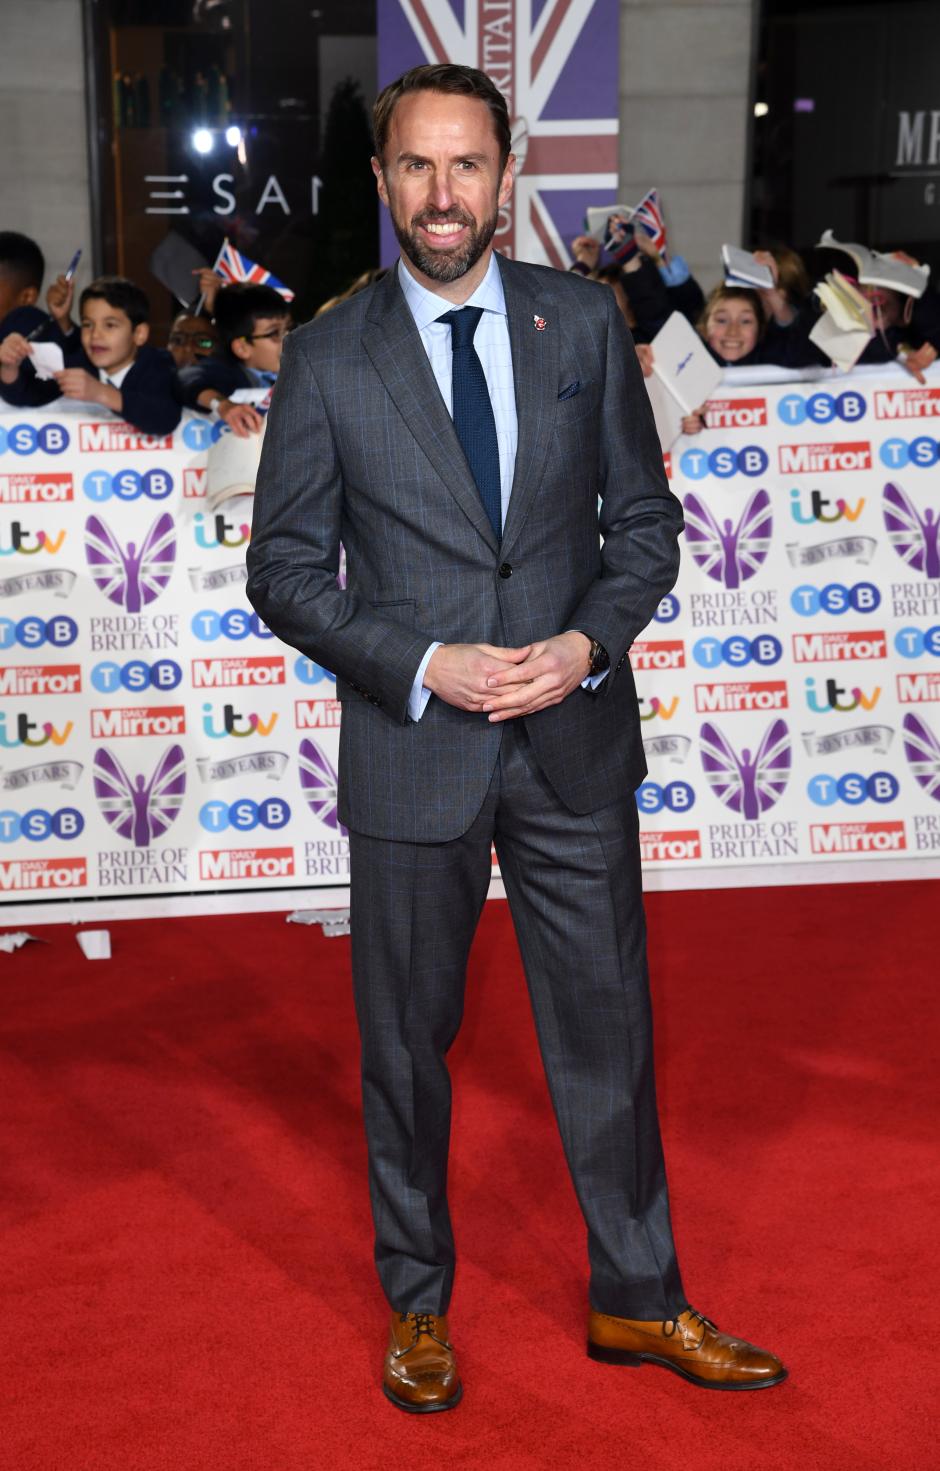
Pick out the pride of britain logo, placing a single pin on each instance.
(319, 784)
(747, 783)
(922, 750)
(129, 576)
(731, 552)
(140, 810)
(915, 537)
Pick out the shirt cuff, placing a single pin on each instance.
(594, 681)
(674, 271)
(419, 696)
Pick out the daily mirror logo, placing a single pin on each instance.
(108, 437)
(36, 490)
(43, 873)
(40, 679)
(736, 413)
(824, 459)
(907, 403)
(223, 865)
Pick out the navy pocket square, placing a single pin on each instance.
(571, 390)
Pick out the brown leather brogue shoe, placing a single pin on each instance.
(689, 1345)
(420, 1367)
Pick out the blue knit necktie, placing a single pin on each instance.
(473, 412)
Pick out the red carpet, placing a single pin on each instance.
(187, 1277)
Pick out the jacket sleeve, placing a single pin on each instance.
(640, 518)
(149, 395)
(293, 558)
(213, 373)
(28, 391)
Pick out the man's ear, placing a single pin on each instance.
(506, 182)
(380, 183)
(28, 296)
(241, 348)
(141, 333)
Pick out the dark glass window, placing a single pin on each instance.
(238, 119)
(846, 132)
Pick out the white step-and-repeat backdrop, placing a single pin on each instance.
(156, 739)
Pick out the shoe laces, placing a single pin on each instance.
(421, 1323)
(671, 1326)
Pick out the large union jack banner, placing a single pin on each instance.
(556, 63)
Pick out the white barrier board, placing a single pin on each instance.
(157, 740)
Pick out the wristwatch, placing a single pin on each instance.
(600, 659)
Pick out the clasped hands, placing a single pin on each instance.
(506, 683)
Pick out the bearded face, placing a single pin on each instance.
(443, 179)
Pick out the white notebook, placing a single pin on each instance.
(683, 364)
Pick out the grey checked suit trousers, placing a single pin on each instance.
(360, 449)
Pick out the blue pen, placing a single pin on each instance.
(70, 272)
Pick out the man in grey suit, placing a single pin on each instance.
(454, 427)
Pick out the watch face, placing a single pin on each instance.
(600, 659)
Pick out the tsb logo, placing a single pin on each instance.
(862, 597)
(136, 675)
(25, 439)
(821, 408)
(244, 815)
(676, 796)
(234, 623)
(38, 824)
(668, 610)
(737, 651)
(200, 434)
(695, 464)
(33, 632)
(310, 673)
(128, 485)
(913, 643)
(853, 788)
(922, 453)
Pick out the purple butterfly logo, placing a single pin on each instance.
(129, 577)
(319, 784)
(137, 810)
(731, 554)
(748, 784)
(922, 750)
(915, 537)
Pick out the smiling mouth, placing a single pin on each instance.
(443, 230)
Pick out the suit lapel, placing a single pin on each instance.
(535, 359)
(394, 346)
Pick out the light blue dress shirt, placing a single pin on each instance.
(491, 341)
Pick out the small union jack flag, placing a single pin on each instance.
(649, 216)
(234, 267)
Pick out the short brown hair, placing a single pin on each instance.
(721, 293)
(460, 81)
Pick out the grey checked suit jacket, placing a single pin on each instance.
(360, 449)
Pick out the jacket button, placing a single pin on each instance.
(505, 570)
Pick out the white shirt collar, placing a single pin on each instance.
(426, 306)
(116, 379)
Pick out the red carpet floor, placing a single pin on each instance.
(186, 1259)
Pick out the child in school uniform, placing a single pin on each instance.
(108, 360)
(252, 322)
(22, 268)
(740, 331)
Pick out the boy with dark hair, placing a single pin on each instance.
(109, 362)
(22, 268)
(252, 322)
